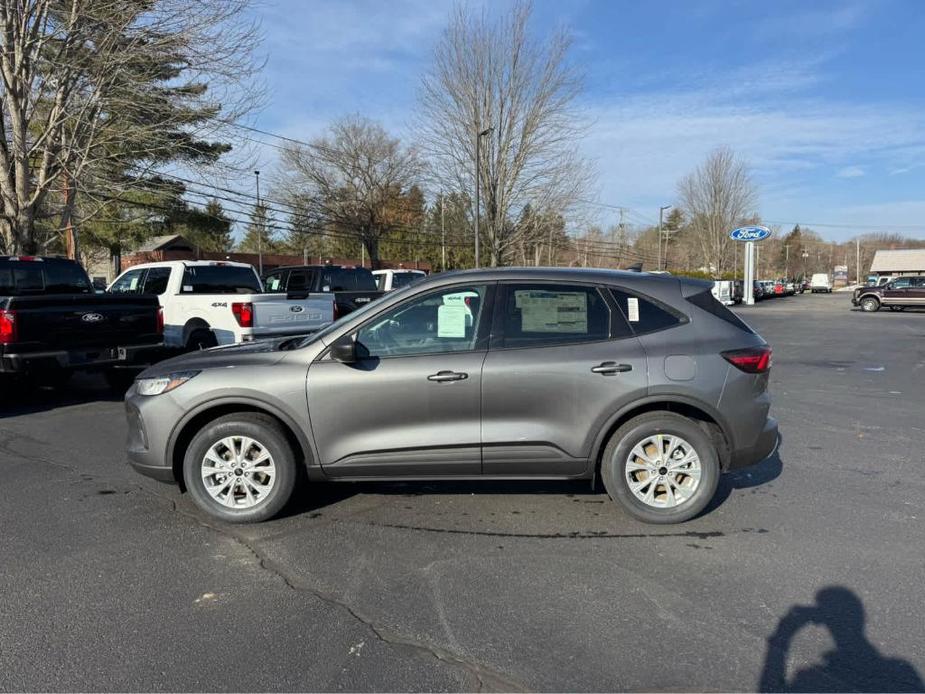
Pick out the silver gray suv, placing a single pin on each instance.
(515, 373)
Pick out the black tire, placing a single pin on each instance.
(635, 431)
(201, 338)
(869, 304)
(119, 380)
(270, 435)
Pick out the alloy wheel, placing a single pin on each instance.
(238, 472)
(663, 471)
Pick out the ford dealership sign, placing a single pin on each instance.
(752, 233)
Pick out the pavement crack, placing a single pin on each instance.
(486, 678)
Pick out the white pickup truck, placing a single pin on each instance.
(208, 303)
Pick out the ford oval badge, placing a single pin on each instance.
(91, 317)
(296, 309)
(750, 233)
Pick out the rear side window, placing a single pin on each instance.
(156, 280)
(707, 302)
(538, 315)
(349, 280)
(21, 278)
(403, 279)
(646, 315)
(219, 279)
(66, 278)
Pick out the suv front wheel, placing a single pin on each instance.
(661, 468)
(870, 304)
(240, 468)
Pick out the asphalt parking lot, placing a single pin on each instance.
(110, 581)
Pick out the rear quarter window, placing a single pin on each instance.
(707, 302)
(646, 315)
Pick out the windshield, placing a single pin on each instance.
(371, 307)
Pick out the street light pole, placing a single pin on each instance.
(259, 230)
(660, 211)
(478, 185)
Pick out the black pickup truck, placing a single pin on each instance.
(52, 322)
(352, 287)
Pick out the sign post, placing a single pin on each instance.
(749, 235)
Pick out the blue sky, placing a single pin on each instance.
(824, 99)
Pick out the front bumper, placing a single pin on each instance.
(79, 359)
(764, 447)
(150, 422)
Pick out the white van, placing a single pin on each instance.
(820, 283)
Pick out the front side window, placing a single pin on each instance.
(129, 283)
(445, 321)
(540, 315)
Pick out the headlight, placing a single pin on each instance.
(162, 384)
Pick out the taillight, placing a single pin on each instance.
(7, 327)
(160, 320)
(754, 360)
(244, 313)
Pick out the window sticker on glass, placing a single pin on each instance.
(632, 309)
(451, 321)
(553, 312)
(133, 285)
(187, 287)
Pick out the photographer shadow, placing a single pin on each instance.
(855, 664)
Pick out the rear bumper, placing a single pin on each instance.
(764, 447)
(80, 359)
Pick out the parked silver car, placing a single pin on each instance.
(644, 380)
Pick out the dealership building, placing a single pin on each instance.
(898, 263)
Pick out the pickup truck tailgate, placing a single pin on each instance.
(275, 315)
(77, 321)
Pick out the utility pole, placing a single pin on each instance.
(660, 211)
(478, 184)
(442, 232)
(786, 260)
(622, 239)
(857, 243)
(259, 225)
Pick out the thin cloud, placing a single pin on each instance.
(850, 172)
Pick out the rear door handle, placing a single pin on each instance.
(445, 376)
(608, 368)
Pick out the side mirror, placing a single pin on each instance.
(344, 350)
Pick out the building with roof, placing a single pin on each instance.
(897, 263)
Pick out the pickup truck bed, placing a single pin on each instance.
(42, 328)
(351, 287)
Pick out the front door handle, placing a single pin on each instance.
(608, 368)
(445, 376)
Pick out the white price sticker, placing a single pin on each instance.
(632, 309)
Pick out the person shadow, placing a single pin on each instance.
(854, 665)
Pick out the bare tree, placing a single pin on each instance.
(716, 197)
(489, 74)
(87, 84)
(356, 181)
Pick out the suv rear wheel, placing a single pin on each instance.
(240, 468)
(661, 468)
(870, 304)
